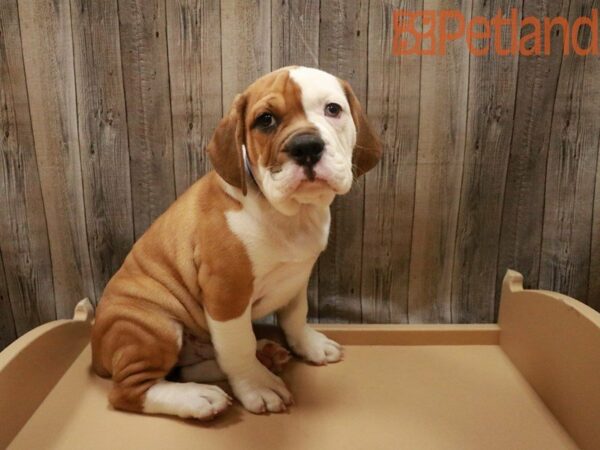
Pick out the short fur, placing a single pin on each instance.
(238, 244)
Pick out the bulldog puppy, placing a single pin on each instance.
(239, 244)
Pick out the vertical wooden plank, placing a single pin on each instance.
(146, 81)
(442, 124)
(7, 321)
(571, 173)
(26, 272)
(592, 91)
(245, 45)
(245, 50)
(342, 43)
(48, 55)
(193, 28)
(593, 71)
(102, 136)
(594, 275)
(295, 41)
(393, 107)
(522, 217)
(492, 88)
(295, 33)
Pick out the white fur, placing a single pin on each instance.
(284, 188)
(306, 342)
(282, 249)
(318, 89)
(283, 233)
(199, 401)
(254, 385)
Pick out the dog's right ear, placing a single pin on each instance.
(225, 146)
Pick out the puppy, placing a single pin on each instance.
(239, 244)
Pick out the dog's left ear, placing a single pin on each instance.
(225, 147)
(368, 149)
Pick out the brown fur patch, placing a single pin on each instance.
(279, 95)
(225, 270)
(368, 149)
(187, 262)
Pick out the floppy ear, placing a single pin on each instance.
(225, 146)
(368, 148)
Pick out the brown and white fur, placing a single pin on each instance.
(239, 244)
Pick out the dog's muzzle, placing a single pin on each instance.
(305, 149)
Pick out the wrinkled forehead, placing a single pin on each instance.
(274, 91)
(294, 87)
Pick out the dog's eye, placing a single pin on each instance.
(333, 110)
(265, 121)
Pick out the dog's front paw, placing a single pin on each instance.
(317, 348)
(261, 391)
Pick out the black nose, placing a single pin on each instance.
(306, 149)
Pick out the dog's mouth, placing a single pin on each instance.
(314, 184)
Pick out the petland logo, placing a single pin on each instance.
(428, 32)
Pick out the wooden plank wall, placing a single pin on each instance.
(490, 162)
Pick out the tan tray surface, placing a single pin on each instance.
(399, 387)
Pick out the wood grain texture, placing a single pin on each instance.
(48, 56)
(489, 162)
(441, 146)
(393, 106)
(146, 81)
(193, 30)
(523, 211)
(295, 33)
(295, 41)
(103, 141)
(245, 45)
(571, 172)
(8, 332)
(26, 278)
(491, 103)
(593, 73)
(342, 42)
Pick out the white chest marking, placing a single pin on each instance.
(282, 249)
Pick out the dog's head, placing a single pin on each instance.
(301, 133)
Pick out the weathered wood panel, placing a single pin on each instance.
(523, 214)
(7, 321)
(592, 87)
(48, 56)
(295, 41)
(593, 73)
(571, 172)
(295, 33)
(245, 45)
(393, 105)
(441, 146)
(491, 103)
(342, 42)
(102, 136)
(193, 28)
(146, 80)
(26, 278)
(489, 162)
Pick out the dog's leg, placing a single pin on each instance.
(253, 384)
(139, 351)
(305, 341)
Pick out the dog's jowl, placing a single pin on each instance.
(239, 244)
